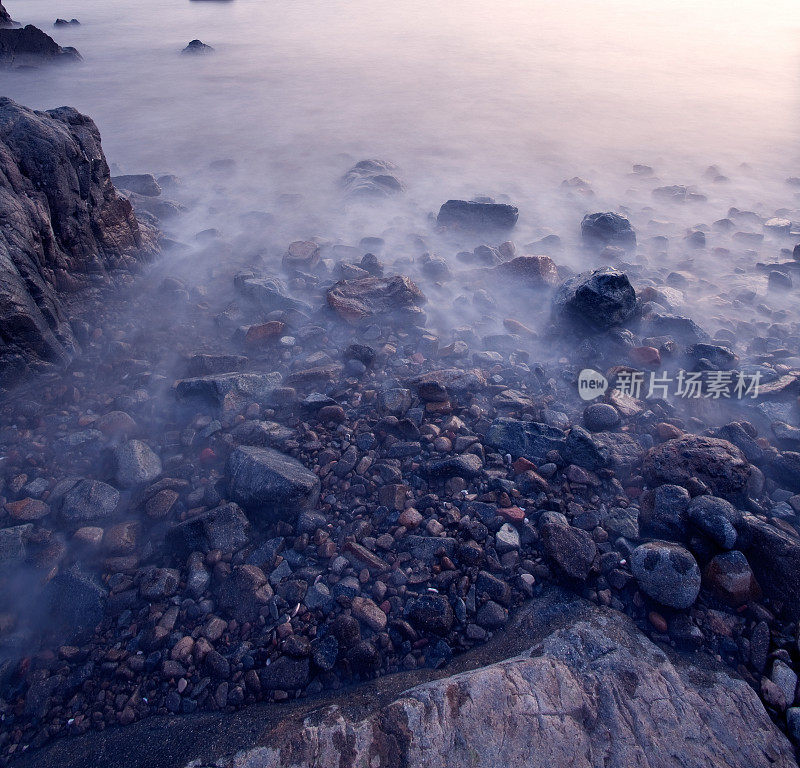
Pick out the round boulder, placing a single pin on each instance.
(666, 572)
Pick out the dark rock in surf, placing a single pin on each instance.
(63, 222)
(463, 214)
(596, 300)
(65, 23)
(599, 229)
(197, 47)
(29, 47)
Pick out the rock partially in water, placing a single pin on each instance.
(596, 300)
(372, 178)
(600, 229)
(29, 46)
(355, 300)
(197, 47)
(531, 271)
(228, 390)
(141, 183)
(54, 179)
(469, 215)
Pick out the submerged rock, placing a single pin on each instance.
(54, 179)
(462, 214)
(595, 300)
(28, 47)
(372, 178)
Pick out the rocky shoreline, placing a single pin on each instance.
(246, 475)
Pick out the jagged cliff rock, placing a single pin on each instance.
(5, 17)
(594, 692)
(61, 220)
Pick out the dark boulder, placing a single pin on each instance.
(571, 550)
(462, 214)
(529, 439)
(228, 390)
(63, 221)
(75, 602)
(691, 459)
(271, 484)
(785, 469)
(430, 613)
(607, 229)
(716, 518)
(28, 47)
(681, 329)
(285, 674)
(595, 300)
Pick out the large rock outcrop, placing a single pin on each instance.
(60, 221)
(29, 46)
(592, 692)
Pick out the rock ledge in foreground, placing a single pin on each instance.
(594, 692)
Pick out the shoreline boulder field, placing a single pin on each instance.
(443, 497)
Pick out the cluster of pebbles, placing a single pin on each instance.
(278, 479)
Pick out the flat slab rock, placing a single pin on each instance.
(594, 692)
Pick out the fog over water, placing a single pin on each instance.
(504, 100)
(466, 97)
